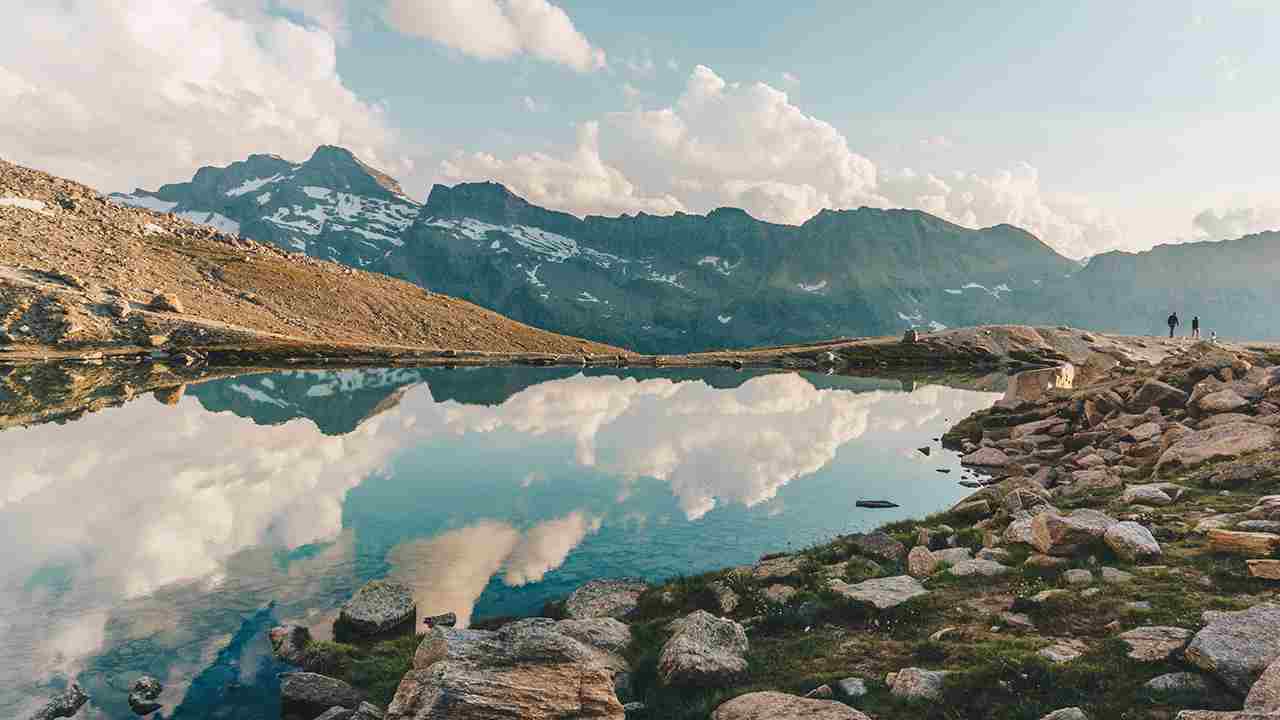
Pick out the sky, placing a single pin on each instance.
(1097, 125)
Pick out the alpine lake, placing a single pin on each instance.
(167, 538)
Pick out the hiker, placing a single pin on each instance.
(1173, 323)
(1195, 327)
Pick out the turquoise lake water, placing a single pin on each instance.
(168, 539)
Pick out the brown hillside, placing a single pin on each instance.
(70, 260)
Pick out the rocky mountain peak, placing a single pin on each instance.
(339, 169)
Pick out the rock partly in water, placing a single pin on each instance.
(379, 608)
(143, 694)
(63, 705)
(526, 669)
(780, 706)
(288, 643)
(703, 651)
(1237, 646)
(310, 694)
(605, 598)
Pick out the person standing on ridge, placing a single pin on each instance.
(1195, 327)
(1173, 323)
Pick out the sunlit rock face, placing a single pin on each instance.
(160, 528)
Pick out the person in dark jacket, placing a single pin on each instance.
(1195, 327)
(1173, 323)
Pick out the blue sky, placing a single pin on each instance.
(1097, 125)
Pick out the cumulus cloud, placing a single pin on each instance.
(498, 29)
(140, 92)
(748, 145)
(582, 181)
(1233, 223)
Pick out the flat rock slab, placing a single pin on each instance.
(1224, 442)
(779, 568)
(1071, 713)
(378, 608)
(605, 598)
(985, 568)
(1179, 683)
(311, 694)
(1155, 643)
(780, 706)
(883, 593)
(1237, 646)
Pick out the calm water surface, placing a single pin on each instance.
(168, 540)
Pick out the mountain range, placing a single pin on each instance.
(725, 279)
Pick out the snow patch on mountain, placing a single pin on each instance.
(264, 198)
(719, 264)
(813, 287)
(258, 396)
(145, 201)
(252, 185)
(951, 291)
(549, 246)
(587, 297)
(994, 292)
(217, 221)
(724, 319)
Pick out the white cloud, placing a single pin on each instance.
(748, 145)
(328, 14)
(790, 78)
(546, 546)
(1233, 223)
(534, 105)
(935, 142)
(140, 93)
(581, 182)
(498, 29)
(642, 66)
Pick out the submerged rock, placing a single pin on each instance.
(704, 651)
(143, 694)
(63, 705)
(780, 706)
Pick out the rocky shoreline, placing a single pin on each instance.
(1120, 561)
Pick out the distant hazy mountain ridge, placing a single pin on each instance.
(685, 282)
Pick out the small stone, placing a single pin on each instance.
(1077, 577)
(1132, 542)
(779, 568)
(166, 302)
(1145, 495)
(921, 563)
(852, 687)
(1063, 651)
(822, 692)
(1178, 684)
(1071, 713)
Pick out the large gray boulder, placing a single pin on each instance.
(1264, 696)
(527, 669)
(605, 598)
(883, 593)
(703, 651)
(1223, 442)
(918, 684)
(377, 609)
(63, 705)
(1154, 393)
(1132, 542)
(1054, 534)
(310, 694)
(1237, 646)
(780, 706)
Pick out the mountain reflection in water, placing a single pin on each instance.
(166, 540)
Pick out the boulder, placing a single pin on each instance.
(878, 545)
(605, 598)
(63, 705)
(852, 687)
(986, 457)
(379, 608)
(288, 643)
(1154, 393)
(1265, 569)
(1250, 544)
(779, 568)
(921, 562)
(779, 594)
(309, 694)
(526, 669)
(1054, 534)
(1264, 696)
(1063, 651)
(780, 706)
(1087, 481)
(1071, 713)
(1112, 576)
(1132, 542)
(951, 556)
(883, 593)
(1155, 643)
(1222, 401)
(1144, 432)
(1179, 683)
(1145, 495)
(703, 651)
(918, 684)
(1237, 646)
(1224, 442)
(166, 302)
(971, 509)
(1077, 577)
(1019, 533)
(985, 568)
(143, 694)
